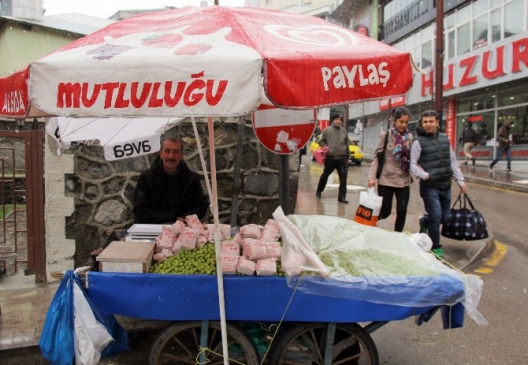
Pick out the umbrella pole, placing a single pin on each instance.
(236, 173)
(216, 233)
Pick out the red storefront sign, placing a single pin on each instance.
(451, 121)
(489, 65)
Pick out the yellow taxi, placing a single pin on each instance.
(356, 155)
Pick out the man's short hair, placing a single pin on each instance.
(171, 139)
(430, 113)
(335, 116)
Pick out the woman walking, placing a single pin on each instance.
(395, 178)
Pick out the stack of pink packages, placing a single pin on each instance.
(254, 249)
(186, 236)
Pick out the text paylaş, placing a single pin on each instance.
(342, 76)
(140, 94)
(13, 103)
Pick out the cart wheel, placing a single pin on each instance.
(179, 343)
(306, 344)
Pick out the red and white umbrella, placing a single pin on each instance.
(212, 61)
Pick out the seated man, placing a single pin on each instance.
(169, 190)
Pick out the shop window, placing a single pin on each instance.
(482, 123)
(519, 127)
(451, 45)
(480, 31)
(496, 25)
(427, 54)
(463, 39)
(514, 15)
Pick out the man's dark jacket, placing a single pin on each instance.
(435, 158)
(150, 200)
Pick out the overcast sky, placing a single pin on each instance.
(107, 8)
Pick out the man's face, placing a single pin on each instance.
(338, 122)
(429, 124)
(171, 154)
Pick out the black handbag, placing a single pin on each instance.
(465, 223)
(381, 156)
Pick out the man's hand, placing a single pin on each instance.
(463, 189)
(371, 183)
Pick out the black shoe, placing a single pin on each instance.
(474, 159)
(344, 201)
(422, 221)
(318, 195)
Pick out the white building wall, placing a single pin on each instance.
(59, 249)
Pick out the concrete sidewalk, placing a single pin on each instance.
(24, 303)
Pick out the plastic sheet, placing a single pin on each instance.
(388, 267)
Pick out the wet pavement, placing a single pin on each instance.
(24, 303)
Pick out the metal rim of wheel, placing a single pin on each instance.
(307, 344)
(179, 343)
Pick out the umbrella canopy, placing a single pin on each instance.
(212, 61)
(119, 137)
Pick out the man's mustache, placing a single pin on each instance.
(171, 160)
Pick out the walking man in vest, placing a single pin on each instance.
(435, 164)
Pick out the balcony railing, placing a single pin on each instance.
(405, 17)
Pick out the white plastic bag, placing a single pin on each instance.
(369, 208)
(423, 241)
(91, 337)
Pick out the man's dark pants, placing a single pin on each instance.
(341, 164)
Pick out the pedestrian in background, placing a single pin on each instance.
(434, 162)
(336, 138)
(470, 139)
(503, 137)
(395, 179)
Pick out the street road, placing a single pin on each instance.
(504, 302)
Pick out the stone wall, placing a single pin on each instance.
(101, 191)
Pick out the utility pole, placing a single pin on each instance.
(439, 60)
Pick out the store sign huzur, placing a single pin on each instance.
(491, 66)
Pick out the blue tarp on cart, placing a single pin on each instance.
(195, 297)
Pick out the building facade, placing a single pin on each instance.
(485, 70)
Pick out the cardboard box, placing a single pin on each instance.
(126, 256)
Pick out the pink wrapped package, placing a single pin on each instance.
(225, 231)
(167, 239)
(193, 222)
(177, 227)
(187, 239)
(230, 248)
(251, 231)
(273, 249)
(167, 253)
(271, 231)
(202, 238)
(239, 238)
(254, 249)
(266, 267)
(229, 264)
(159, 257)
(245, 266)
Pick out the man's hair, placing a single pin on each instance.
(430, 113)
(171, 139)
